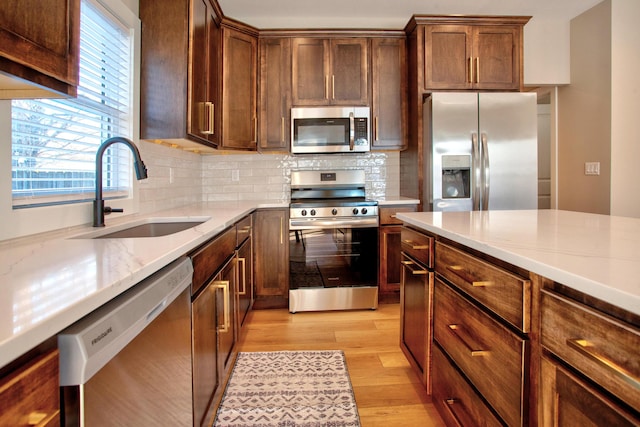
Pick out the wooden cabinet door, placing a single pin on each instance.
(330, 71)
(389, 274)
(204, 53)
(226, 311)
(275, 94)
(40, 42)
(448, 51)
(496, 57)
(472, 57)
(389, 93)
(416, 296)
(271, 253)
(310, 71)
(567, 400)
(348, 80)
(240, 122)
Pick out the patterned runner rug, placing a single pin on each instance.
(289, 389)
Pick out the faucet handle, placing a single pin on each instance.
(109, 209)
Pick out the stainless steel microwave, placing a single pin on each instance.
(330, 130)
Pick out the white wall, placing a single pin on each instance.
(625, 107)
(546, 52)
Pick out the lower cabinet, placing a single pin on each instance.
(416, 301)
(244, 256)
(389, 267)
(30, 394)
(212, 322)
(590, 371)
(571, 401)
(271, 243)
(460, 403)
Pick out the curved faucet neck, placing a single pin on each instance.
(140, 168)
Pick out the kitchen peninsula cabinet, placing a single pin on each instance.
(244, 255)
(271, 234)
(416, 301)
(601, 346)
(40, 43)
(275, 94)
(389, 93)
(330, 71)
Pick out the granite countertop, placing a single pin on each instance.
(598, 255)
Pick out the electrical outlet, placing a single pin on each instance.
(592, 168)
(235, 175)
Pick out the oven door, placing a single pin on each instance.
(332, 257)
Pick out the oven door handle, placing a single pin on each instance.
(315, 224)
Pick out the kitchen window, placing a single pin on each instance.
(54, 141)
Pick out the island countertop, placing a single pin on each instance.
(598, 255)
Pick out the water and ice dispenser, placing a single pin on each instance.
(456, 176)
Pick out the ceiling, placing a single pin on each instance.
(386, 14)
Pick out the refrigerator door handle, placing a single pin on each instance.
(485, 172)
(477, 178)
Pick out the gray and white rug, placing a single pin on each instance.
(289, 389)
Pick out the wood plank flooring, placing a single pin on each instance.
(387, 391)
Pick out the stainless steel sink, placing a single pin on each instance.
(151, 227)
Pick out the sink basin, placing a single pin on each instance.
(151, 227)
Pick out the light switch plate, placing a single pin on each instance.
(592, 168)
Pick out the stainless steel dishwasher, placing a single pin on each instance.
(129, 362)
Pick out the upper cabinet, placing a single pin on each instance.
(476, 53)
(196, 68)
(389, 93)
(239, 89)
(275, 94)
(39, 43)
(330, 71)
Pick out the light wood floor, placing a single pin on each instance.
(387, 391)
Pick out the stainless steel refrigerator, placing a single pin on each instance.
(482, 150)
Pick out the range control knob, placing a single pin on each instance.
(334, 211)
(304, 212)
(364, 211)
(355, 211)
(313, 212)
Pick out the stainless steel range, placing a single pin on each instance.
(333, 242)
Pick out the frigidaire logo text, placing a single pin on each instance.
(97, 339)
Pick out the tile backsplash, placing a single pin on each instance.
(174, 175)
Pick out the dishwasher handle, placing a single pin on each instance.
(89, 344)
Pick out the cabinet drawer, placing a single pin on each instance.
(504, 293)
(31, 395)
(491, 356)
(210, 256)
(602, 348)
(419, 246)
(243, 230)
(453, 396)
(388, 213)
(569, 401)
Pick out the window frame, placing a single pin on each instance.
(25, 222)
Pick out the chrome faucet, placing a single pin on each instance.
(99, 209)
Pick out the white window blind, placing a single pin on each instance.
(54, 141)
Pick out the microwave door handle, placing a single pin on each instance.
(352, 131)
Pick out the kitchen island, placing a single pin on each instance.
(547, 301)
